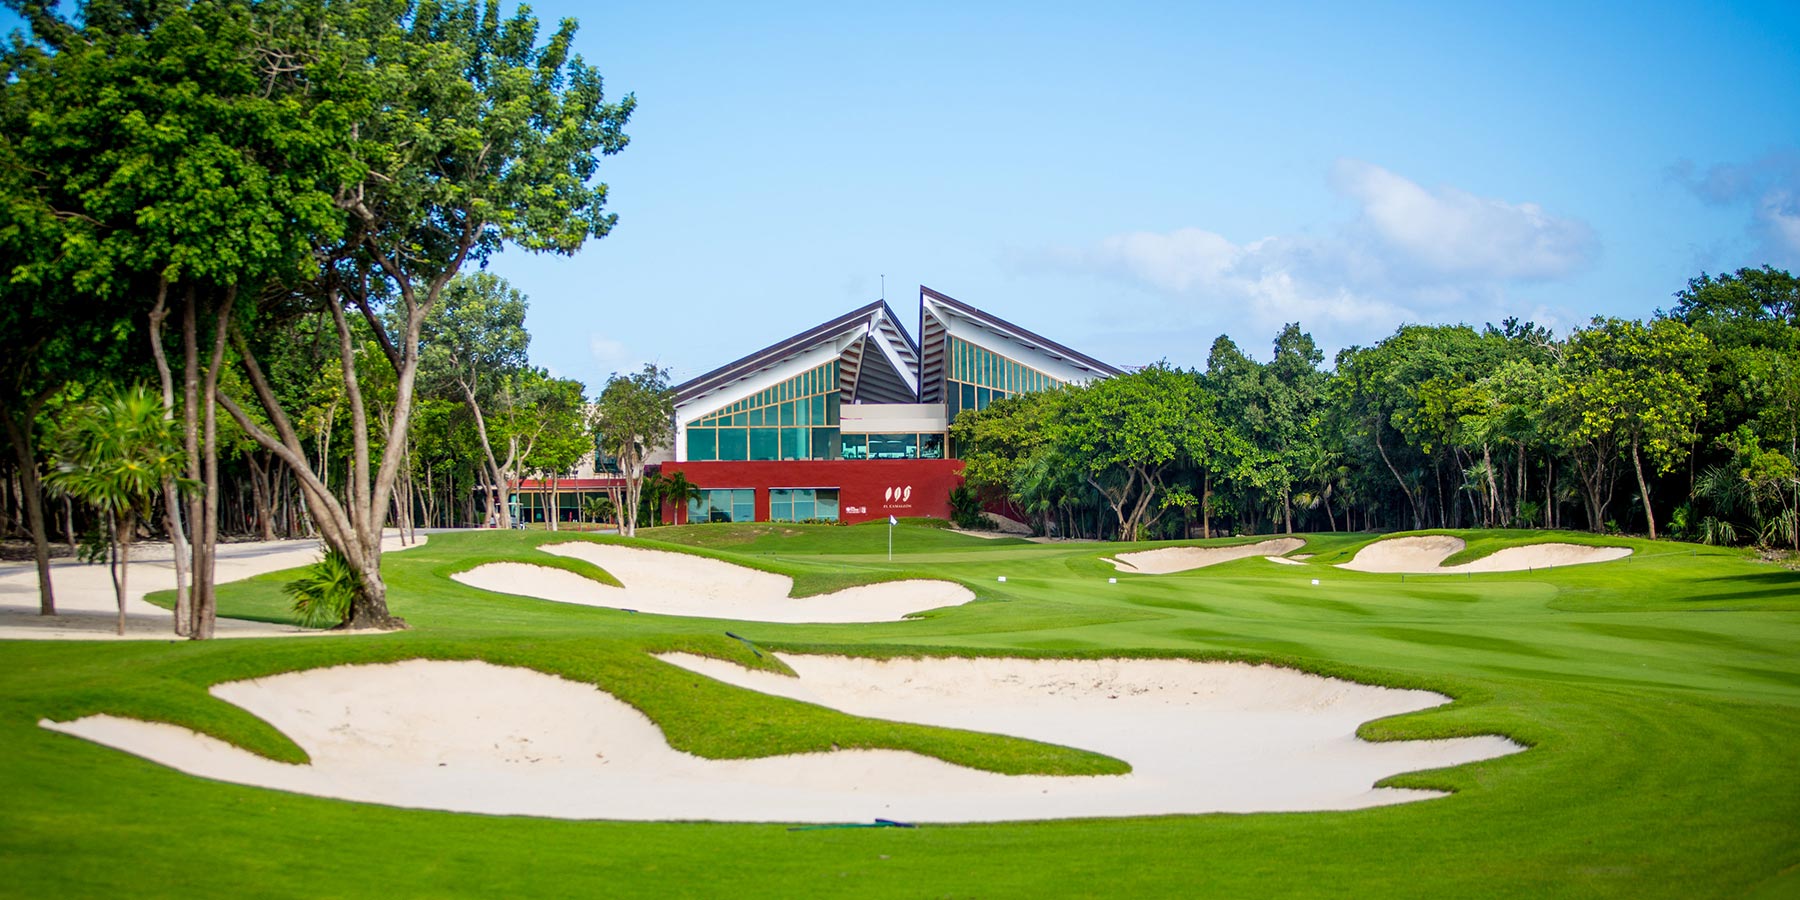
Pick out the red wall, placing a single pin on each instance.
(869, 489)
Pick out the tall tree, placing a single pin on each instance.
(1126, 433)
(634, 418)
(467, 135)
(1635, 386)
(475, 341)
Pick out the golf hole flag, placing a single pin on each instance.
(893, 521)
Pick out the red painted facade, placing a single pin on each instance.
(868, 489)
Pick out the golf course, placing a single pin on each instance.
(1654, 700)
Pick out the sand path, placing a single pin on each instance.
(682, 584)
(87, 608)
(1169, 560)
(1424, 555)
(1202, 737)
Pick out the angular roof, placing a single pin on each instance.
(934, 306)
(879, 358)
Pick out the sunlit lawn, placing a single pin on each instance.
(1660, 695)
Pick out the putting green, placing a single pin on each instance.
(1660, 695)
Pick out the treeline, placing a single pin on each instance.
(1685, 425)
(264, 212)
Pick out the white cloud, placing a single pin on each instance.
(1409, 254)
(1453, 232)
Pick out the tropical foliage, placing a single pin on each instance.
(1687, 422)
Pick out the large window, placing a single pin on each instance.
(904, 445)
(978, 376)
(796, 419)
(723, 505)
(801, 504)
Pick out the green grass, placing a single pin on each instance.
(1660, 696)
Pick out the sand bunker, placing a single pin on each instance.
(1423, 555)
(1168, 560)
(681, 584)
(1201, 737)
(88, 610)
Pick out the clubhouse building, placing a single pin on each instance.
(848, 420)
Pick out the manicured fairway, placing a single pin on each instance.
(1660, 695)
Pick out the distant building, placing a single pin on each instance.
(848, 420)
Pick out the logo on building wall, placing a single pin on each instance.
(898, 494)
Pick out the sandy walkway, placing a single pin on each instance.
(1425, 554)
(681, 584)
(87, 608)
(1168, 560)
(1201, 737)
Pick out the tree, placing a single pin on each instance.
(467, 135)
(1636, 388)
(563, 435)
(174, 147)
(475, 340)
(114, 453)
(1125, 433)
(633, 419)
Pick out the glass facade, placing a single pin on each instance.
(976, 375)
(801, 504)
(796, 419)
(727, 505)
(905, 445)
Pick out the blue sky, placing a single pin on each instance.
(1135, 179)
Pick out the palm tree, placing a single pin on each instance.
(113, 453)
(595, 509)
(676, 487)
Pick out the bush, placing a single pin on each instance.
(965, 510)
(323, 592)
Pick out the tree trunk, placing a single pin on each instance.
(1418, 514)
(1287, 509)
(1493, 498)
(1643, 488)
(1206, 504)
(261, 495)
(205, 599)
(128, 524)
(69, 525)
(190, 440)
(20, 420)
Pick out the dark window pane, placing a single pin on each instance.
(765, 443)
(702, 444)
(931, 446)
(793, 443)
(733, 444)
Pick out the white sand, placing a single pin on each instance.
(1425, 554)
(1284, 560)
(87, 608)
(1202, 737)
(1168, 560)
(681, 584)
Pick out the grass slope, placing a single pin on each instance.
(1661, 696)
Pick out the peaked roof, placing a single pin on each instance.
(876, 320)
(1022, 335)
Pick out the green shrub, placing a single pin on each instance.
(323, 592)
(965, 510)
